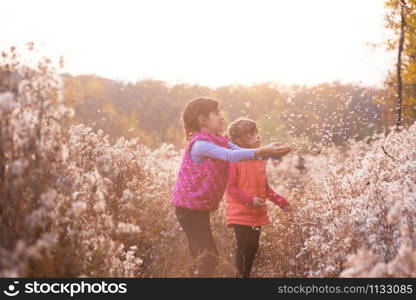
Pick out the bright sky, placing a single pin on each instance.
(211, 42)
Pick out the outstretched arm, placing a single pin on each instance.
(236, 147)
(202, 149)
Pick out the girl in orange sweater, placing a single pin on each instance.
(246, 194)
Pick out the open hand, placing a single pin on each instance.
(258, 202)
(278, 149)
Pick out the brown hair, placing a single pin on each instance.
(239, 128)
(196, 107)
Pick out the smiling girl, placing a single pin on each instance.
(246, 195)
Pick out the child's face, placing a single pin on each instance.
(214, 122)
(250, 140)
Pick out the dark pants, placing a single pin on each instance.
(247, 244)
(197, 228)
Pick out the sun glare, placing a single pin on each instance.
(207, 42)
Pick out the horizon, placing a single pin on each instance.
(279, 84)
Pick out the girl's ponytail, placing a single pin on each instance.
(196, 107)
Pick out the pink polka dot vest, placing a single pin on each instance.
(201, 186)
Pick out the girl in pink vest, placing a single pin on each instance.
(246, 193)
(203, 175)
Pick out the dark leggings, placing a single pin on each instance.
(197, 228)
(247, 244)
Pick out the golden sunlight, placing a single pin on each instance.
(208, 42)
